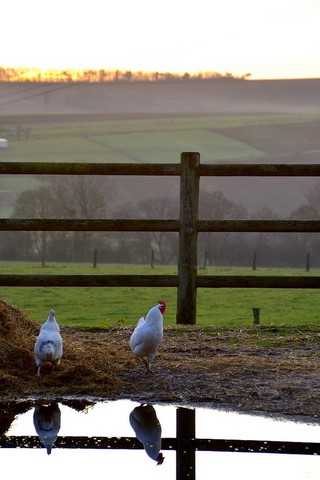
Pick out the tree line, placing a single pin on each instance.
(88, 197)
(26, 74)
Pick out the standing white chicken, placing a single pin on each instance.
(48, 346)
(148, 334)
(144, 421)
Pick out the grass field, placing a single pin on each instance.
(127, 141)
(142, 140)
(105, 307)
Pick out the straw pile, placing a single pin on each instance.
(84, 367)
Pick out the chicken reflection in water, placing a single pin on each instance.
(46, 420)
(144, 421)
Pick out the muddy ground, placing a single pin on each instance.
(268, 370)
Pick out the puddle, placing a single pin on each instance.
(123, 439)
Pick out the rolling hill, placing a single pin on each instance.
(225, 120)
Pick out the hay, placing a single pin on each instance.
(17, 334)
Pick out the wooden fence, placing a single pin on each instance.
(188, 225)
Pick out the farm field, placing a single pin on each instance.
(221, 138)
(108, 307)
(144, 140)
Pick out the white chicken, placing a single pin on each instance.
(148, 334)
(144, 421)
(48, 346)
(47, 421)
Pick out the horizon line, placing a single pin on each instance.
(25, 73)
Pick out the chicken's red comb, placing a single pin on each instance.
(163, 306)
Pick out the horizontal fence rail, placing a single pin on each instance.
(43, 168)
(155, 225)
(81, 225)
(166, 169)
(187, 226)
(195, 444)
(259, 170)
(202, 281)
(88, 280)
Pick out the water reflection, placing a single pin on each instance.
(123, 435)
(47, 420)
(146, 426)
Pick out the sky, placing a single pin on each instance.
(268, 39)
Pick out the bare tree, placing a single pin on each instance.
(36, 204)
(163, 244)
(82, 196)
(313, 197)
(215, 206)
(305, 241)
(67, 197)
(262, 239)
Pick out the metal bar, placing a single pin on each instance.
(259, 170)
(97, 225)
(46, 168)
(11, 280)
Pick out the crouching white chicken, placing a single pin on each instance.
(48, 346)
(144, 421)
(47, 420)
(148, 334)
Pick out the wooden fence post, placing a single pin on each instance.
(188, 237)
(205, 260)
(95, 255)
(186, 452)
(256, 316)
(254, 263)
(308, 262)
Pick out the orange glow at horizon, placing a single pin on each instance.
(20, 74)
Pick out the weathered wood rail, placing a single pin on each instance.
(188, 226)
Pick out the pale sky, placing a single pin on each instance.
(269, 39)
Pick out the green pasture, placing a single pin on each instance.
(64, 149)
(104, 307)
(141, 147)
(42, 131)
(153, 140)
(166, 147)
(140, 140)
